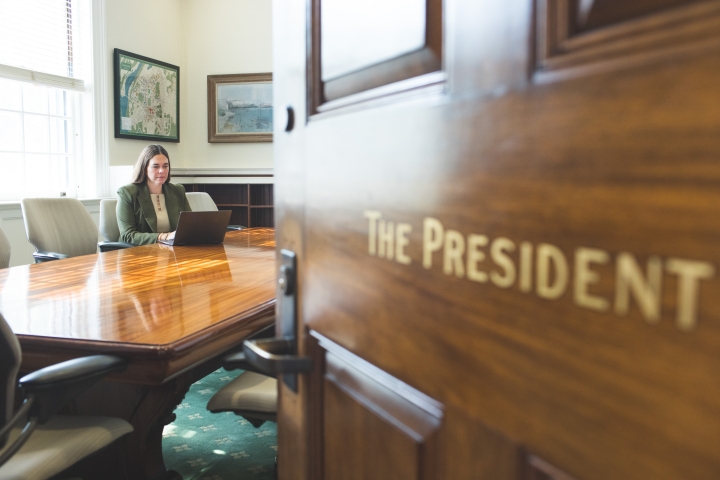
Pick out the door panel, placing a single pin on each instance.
(469, 449)
(374, 425)
(549, 371)
(566, 49)
(357, 36)
(538, 469)
(592, 14)
(537, 254)
(361, 445)
(361, 47)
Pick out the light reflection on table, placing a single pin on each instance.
(145, 295)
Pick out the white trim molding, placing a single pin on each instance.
(100, 100)
(40, 78)
(236, 172)
(222, 175)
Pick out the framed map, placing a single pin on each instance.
(240, 108)
(147, 98)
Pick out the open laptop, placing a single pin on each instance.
(200, 228)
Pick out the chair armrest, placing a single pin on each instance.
(110, 246)
(54, 386)
(237, 361)
(41, 257)
(235, 227)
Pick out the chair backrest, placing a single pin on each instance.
(59, 225)
(4, 250)
(10, 355)
(108, 220)
(201, 202)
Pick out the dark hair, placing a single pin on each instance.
(139, 174)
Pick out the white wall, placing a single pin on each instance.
(221, 37)
(202, 37)
(152, 28)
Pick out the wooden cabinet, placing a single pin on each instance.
(251, 204)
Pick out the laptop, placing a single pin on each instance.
(200, 228)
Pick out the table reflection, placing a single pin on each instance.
(144, 294)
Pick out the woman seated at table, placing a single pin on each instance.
(148, 209)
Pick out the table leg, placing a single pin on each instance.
(138, 455)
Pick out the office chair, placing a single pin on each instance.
(4, 250)
(203, 202)
(61, 228)
(251, 395)
(48, 443)
(109, 227)
(108, 220)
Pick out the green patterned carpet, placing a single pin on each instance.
(217, 446)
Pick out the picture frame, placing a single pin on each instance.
(240, 108)
(146, 94)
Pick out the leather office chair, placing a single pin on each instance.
(108, 220)
(203, 202)
(49, 443)
(61, 228)
(4, 250)
(251, 395)
(109, 228)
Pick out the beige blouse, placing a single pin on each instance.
(163, 222)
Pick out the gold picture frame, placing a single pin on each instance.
(240, 108)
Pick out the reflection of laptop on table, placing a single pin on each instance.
(200, 228)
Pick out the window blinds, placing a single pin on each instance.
(39, 41)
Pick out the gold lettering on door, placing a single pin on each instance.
(433, 235)
(645, 289)
(386, 239)
(476, 256)
(585, 276)
(526, 257)
(546, 268)
(453, 254)
(689, 274)
(550, 259)
(372, 217)
(499, 251)
(401, 241)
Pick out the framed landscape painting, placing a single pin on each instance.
(240, 108)
(147, 98)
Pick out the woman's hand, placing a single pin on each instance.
(166, 236)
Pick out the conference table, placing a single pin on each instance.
(172, 312)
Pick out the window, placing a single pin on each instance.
(46, 127)
(37, 133)
(361, 51)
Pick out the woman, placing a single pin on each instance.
(148, 209)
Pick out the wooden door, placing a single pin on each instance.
(506, 216)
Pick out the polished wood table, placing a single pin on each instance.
(173, 312)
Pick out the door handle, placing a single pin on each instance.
(273, 356)
(278, 356)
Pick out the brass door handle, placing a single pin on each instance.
(273, 356)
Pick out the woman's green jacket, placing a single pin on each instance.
(136, 215)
